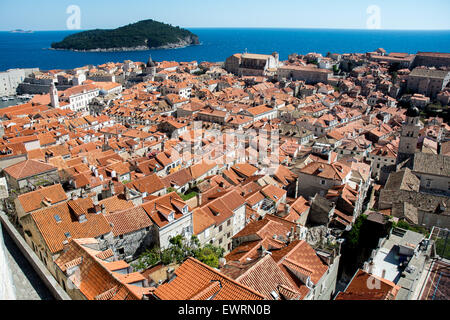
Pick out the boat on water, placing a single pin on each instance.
(10, 98)
(4, 98)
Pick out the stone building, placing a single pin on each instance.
(409, 136)
(11, 79)
(307, 74)
(428, 82)
(220, 219)
(30, 174)
(49, 230)
(171, 216)
(132, 232)
(250, 64)
(432, 59)
(404, 196)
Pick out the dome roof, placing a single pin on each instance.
(412, 112)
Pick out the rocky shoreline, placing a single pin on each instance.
(178, 45)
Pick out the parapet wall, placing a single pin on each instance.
(37, 265)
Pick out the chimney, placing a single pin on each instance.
(111, 187)
(291, 235)
(169, 273)
(65, 246)
(263, 251)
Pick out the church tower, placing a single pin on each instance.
(151, 67)
(54, 96)
(410, 136)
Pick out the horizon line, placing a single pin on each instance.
(262, 28)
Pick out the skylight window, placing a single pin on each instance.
(57, 218)
(68, 235)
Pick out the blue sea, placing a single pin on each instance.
(32, 50)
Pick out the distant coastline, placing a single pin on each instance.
(21, 31)
(139, 48)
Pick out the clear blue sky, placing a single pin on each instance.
(395, 14)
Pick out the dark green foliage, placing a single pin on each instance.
(353, 236)
(405, 225)
(178, 251)
(442, 248)
(148, 258)
(148, 33)
(336, 69)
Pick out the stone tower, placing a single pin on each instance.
(54, 96)
(409, 136)
(151, 67)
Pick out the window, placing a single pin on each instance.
(121, 236)
(220, 229)
(322, 182)
(121, 251)
(220, 241)
(57, 218)
(229, 222)
(67, 234)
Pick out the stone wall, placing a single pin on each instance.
(37, 265)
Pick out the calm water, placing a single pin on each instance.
(31, 50)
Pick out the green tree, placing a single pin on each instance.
(208, 256)
(354, 235)
(336, 69)
(148, 259)
(180, 249)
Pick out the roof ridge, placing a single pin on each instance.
(225, 276)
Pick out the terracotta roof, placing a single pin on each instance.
(178, 178)
(199, 169)
(114, 204)
(244, 169)
(149, 184)
(56, 221)
(93, 280)
(358, 288)
(263, 275)
(28, 168)
(332, 171)
(197, 281)
(201, 220)
(42, 197)
(128, 221)
(159, 208)
(300, 256)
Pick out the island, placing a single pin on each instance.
(21, 31)
(143, 35)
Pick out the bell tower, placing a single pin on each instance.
(409, 136)
(54, 96)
